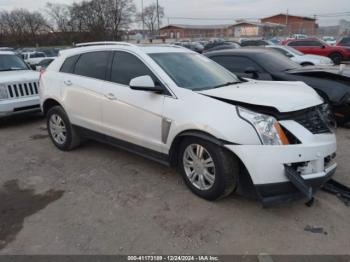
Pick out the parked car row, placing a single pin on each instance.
(206, 115)
(258, 63)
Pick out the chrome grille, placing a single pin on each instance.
(314, 122)
(23, 89)
(318, 120)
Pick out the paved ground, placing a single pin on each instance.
(101, 200)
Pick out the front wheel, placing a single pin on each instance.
(208, 169)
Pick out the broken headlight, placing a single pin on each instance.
(267, 127)
(3, 92)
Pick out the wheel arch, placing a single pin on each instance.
(48, 104)
(173, 152)
(306, 63)
(245, 185)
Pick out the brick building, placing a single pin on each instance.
(256, 29)
(294, 24)
(175, 31)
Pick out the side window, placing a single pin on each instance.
(236, 64)
(126, 67)
(315, 43)
(93, 65)
(282, 51)
(295, 43)
(69, 63)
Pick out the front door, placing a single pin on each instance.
(130, 115)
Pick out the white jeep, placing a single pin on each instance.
(19, 86)
(167, 103)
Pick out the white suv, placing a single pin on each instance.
(167, 103)
(18, 86)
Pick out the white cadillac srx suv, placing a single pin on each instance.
(272, 140)
(18, 86)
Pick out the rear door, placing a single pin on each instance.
(130, 115)
(83, 78)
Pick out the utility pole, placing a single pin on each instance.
(143, 20)
(158, 17)
(287, 26)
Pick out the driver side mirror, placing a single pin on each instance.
(323, 47)
(252, 71)
(144, 83)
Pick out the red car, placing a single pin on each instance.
(316, 46)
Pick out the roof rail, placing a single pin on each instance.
(103, 43)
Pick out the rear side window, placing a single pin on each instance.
(126, 67)
(282, 51)
(69, 63)
(305, 43)
(296, 43)
(37, 55)
(93, 65)
(236, 64)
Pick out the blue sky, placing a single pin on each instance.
(233, 9)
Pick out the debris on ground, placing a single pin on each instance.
(338, 189)
(316, 230)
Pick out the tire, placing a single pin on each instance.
(226, 169)
(58, 122)
(336, 58)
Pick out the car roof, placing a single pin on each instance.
(7, 53)
(143, 48)
(242, 51)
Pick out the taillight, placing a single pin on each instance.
(42, 71)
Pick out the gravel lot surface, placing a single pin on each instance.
(102, 200)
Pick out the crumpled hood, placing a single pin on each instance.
(284, 96)
(19, 76)
(335, 69)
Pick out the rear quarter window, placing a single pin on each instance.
(94, 65)
(69, 63)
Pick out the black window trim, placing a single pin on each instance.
(167, 91)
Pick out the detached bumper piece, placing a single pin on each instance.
(297, 188)
(336, 188)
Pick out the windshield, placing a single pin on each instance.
(11, 62)
(276, 62)
(293, 51)
(194, 71)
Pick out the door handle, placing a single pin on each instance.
(68, 83)
(111, 96)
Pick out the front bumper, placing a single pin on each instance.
(272, 194)
(267, 165)
(20, 105)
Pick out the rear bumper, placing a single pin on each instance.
(21, 105)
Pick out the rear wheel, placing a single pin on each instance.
(336, 58)
(61, 132)
(208, 169)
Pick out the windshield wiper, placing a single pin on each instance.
(227, 84)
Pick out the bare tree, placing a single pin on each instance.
(150, 17)
(59, 17)
(103, 18)
(21, 25)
